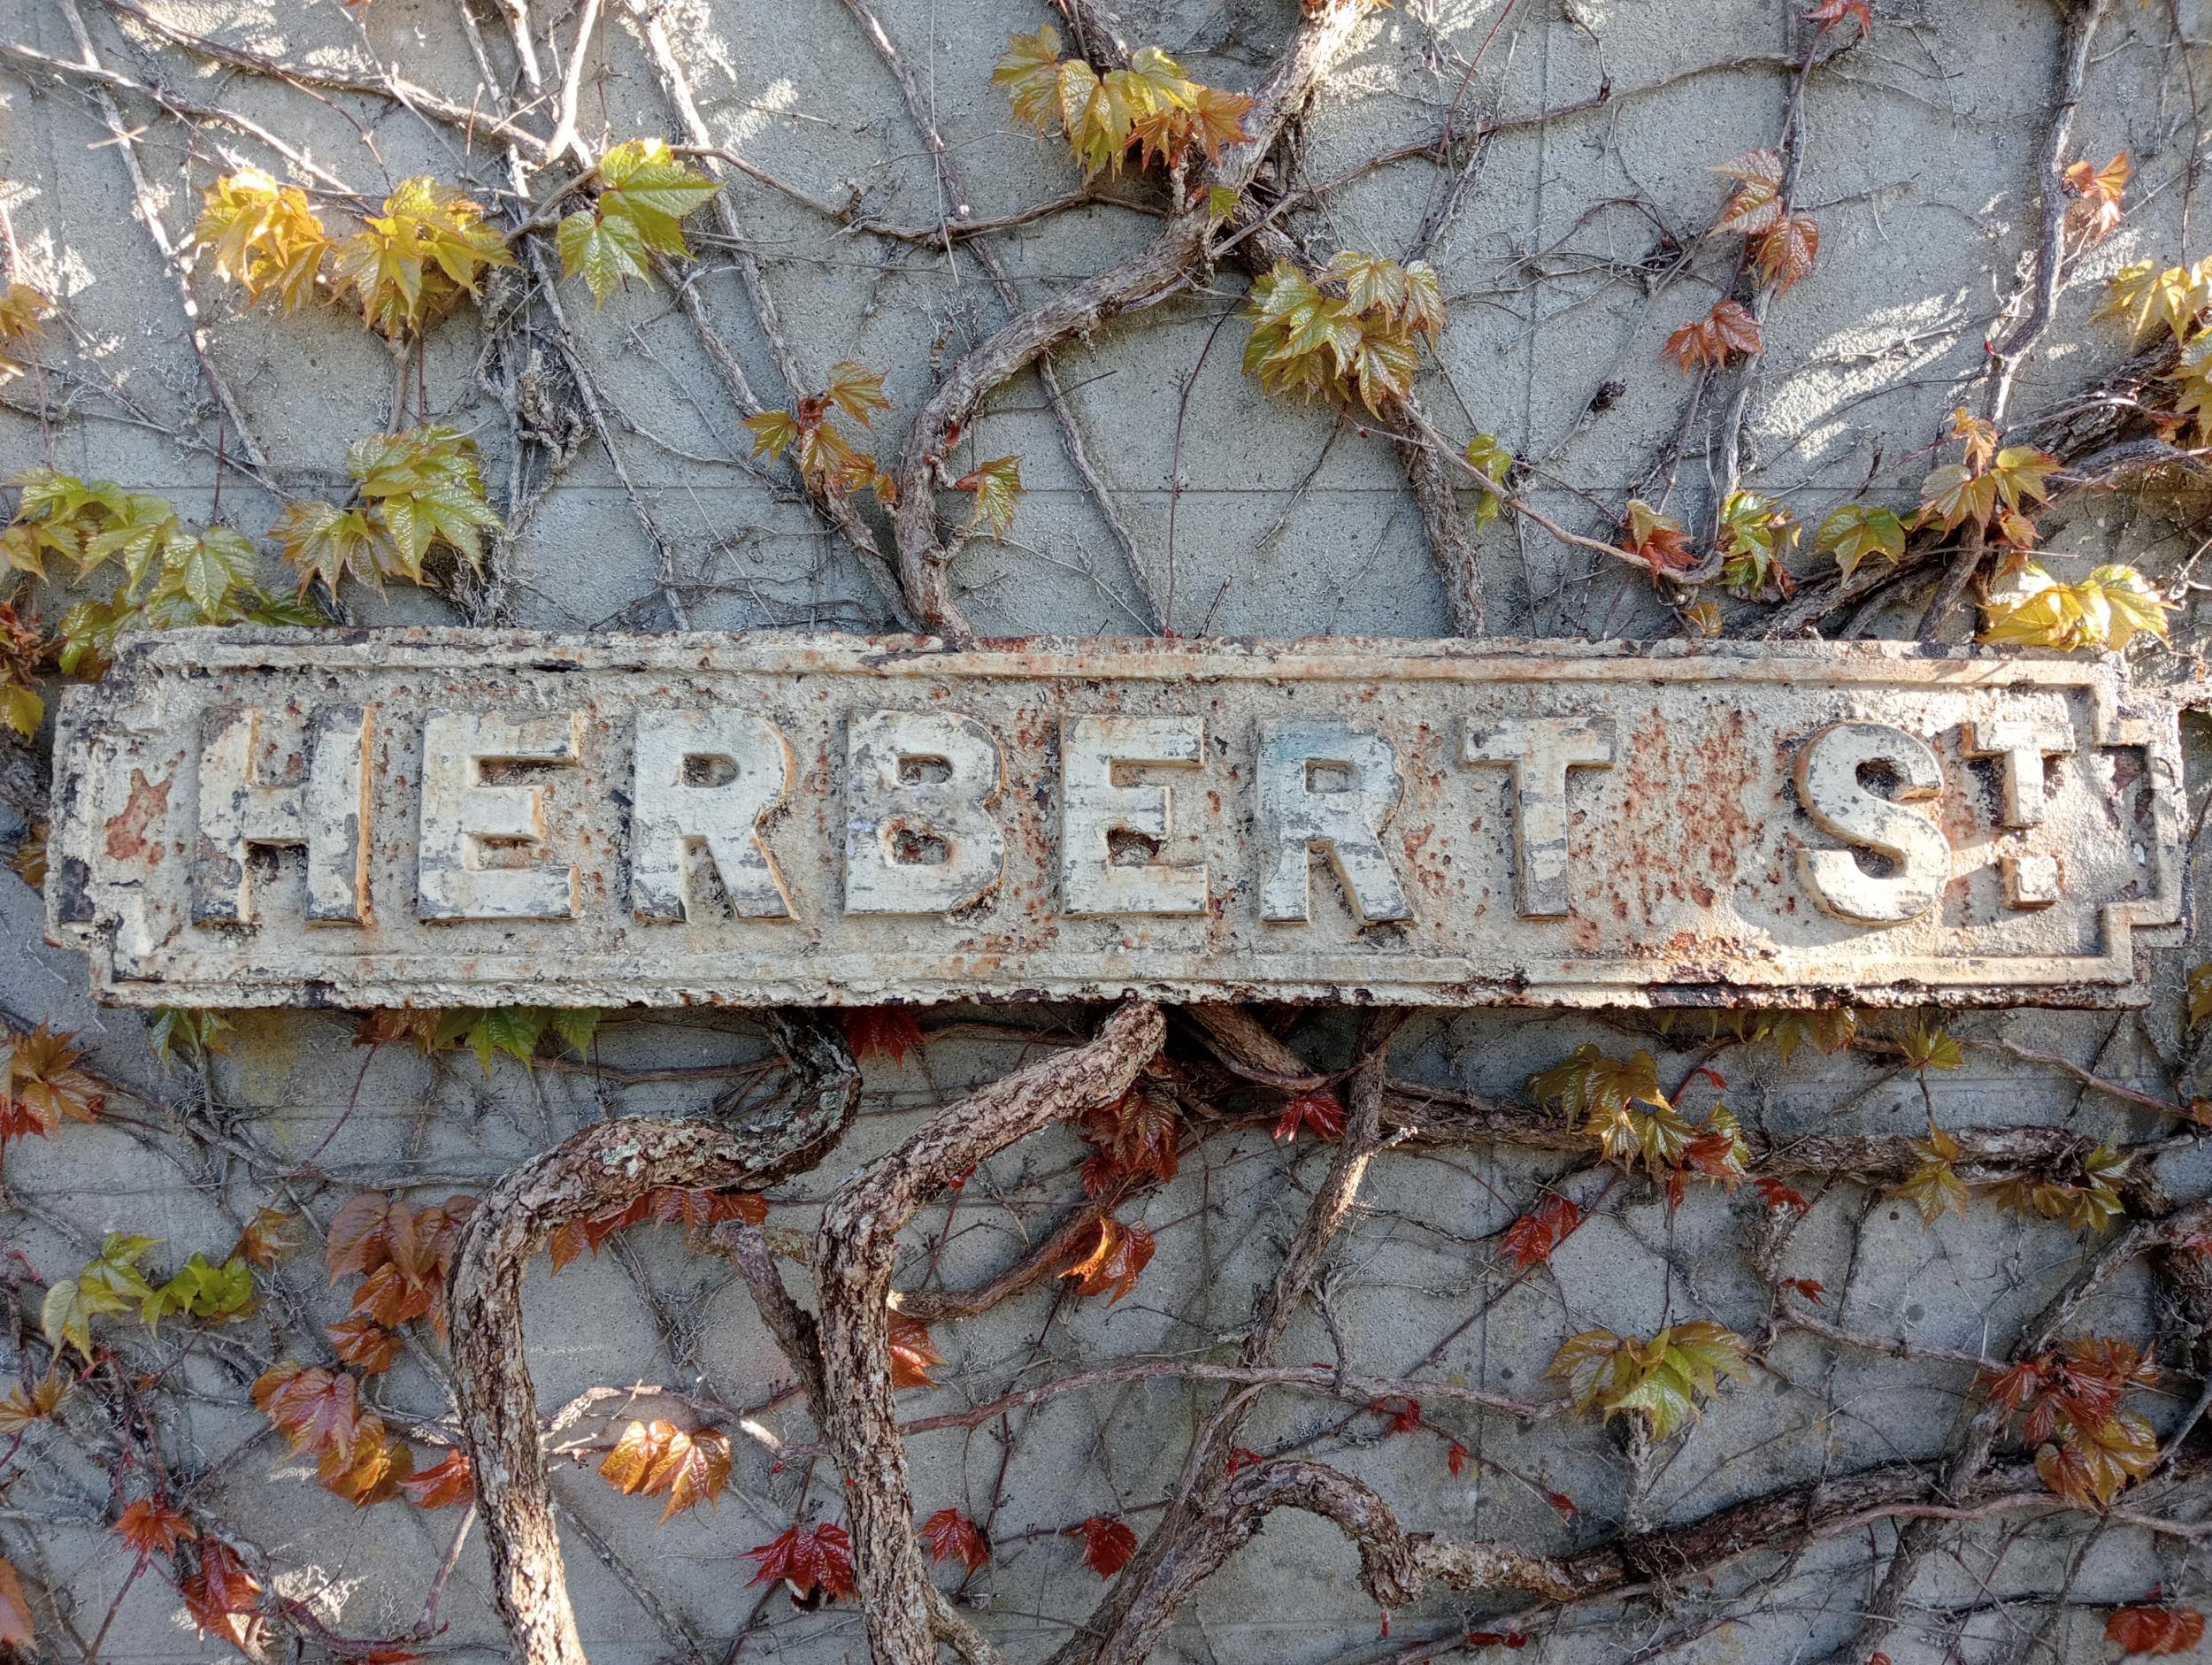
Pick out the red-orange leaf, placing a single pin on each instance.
(1319, 1112)
(2097, 192)
(1811, 1288)
(1403, 1414)
(808, 1558)
(1657, 538)
(1777, 1196)
(1542, 1229)
(1107, 1545)
(373, 1471)
(1114, 1262)
(315, 1409)
(1785, 250)
(650, 1458)
(221, 1596)
(445, 1482)
(1728, 328)
(368, 1232)
(15, 1611)
(1137, 1134)
(38, 1076)
(154, 1526)
(390, 1295)
(364, 1343)
(950, 1533)
(2154, 1632)
(672, 1206)
(912, 1353)
(887, 1031)
(1455, 1459)
(1827, 12)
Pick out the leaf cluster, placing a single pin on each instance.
(829, 463)
(1783, 245)
(401, 1257)
(41, 1086)
(412, 491)
(2090, 1203)
(190, 1033)
(2105, 610)
(1352, 333)
(406, 267)
(265, 237)
(410, 265)
(2068, 1403)
(1756, 532)
(1708, 343)
(1618, 1103)
(644, 194)
(1990, 490)
(485, 1030)
(24, 311)
(1135, 1136)
(1662, 1379)
(1828, 1030)
(882, 1031)
(319, 1411)
(170, 574)
(665, 1205)
(1151, 107)
(658, 1458)
(113, 1282)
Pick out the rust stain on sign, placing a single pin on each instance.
(439, 817)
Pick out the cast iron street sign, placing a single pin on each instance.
(441, 818)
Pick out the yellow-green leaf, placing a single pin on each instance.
(1859, 532)
(1030, 72)
(996, 484)
(641, 181)
(606, 248)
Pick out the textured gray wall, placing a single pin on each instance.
(1920, 170)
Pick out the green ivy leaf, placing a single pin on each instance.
(211, 565)
(642, 183)
(576, 1025)
(213, 1294)
(513, 1030)
(607, 247)
(1860, 532)
(109, 1283)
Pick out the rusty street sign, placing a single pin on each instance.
(441, 818)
